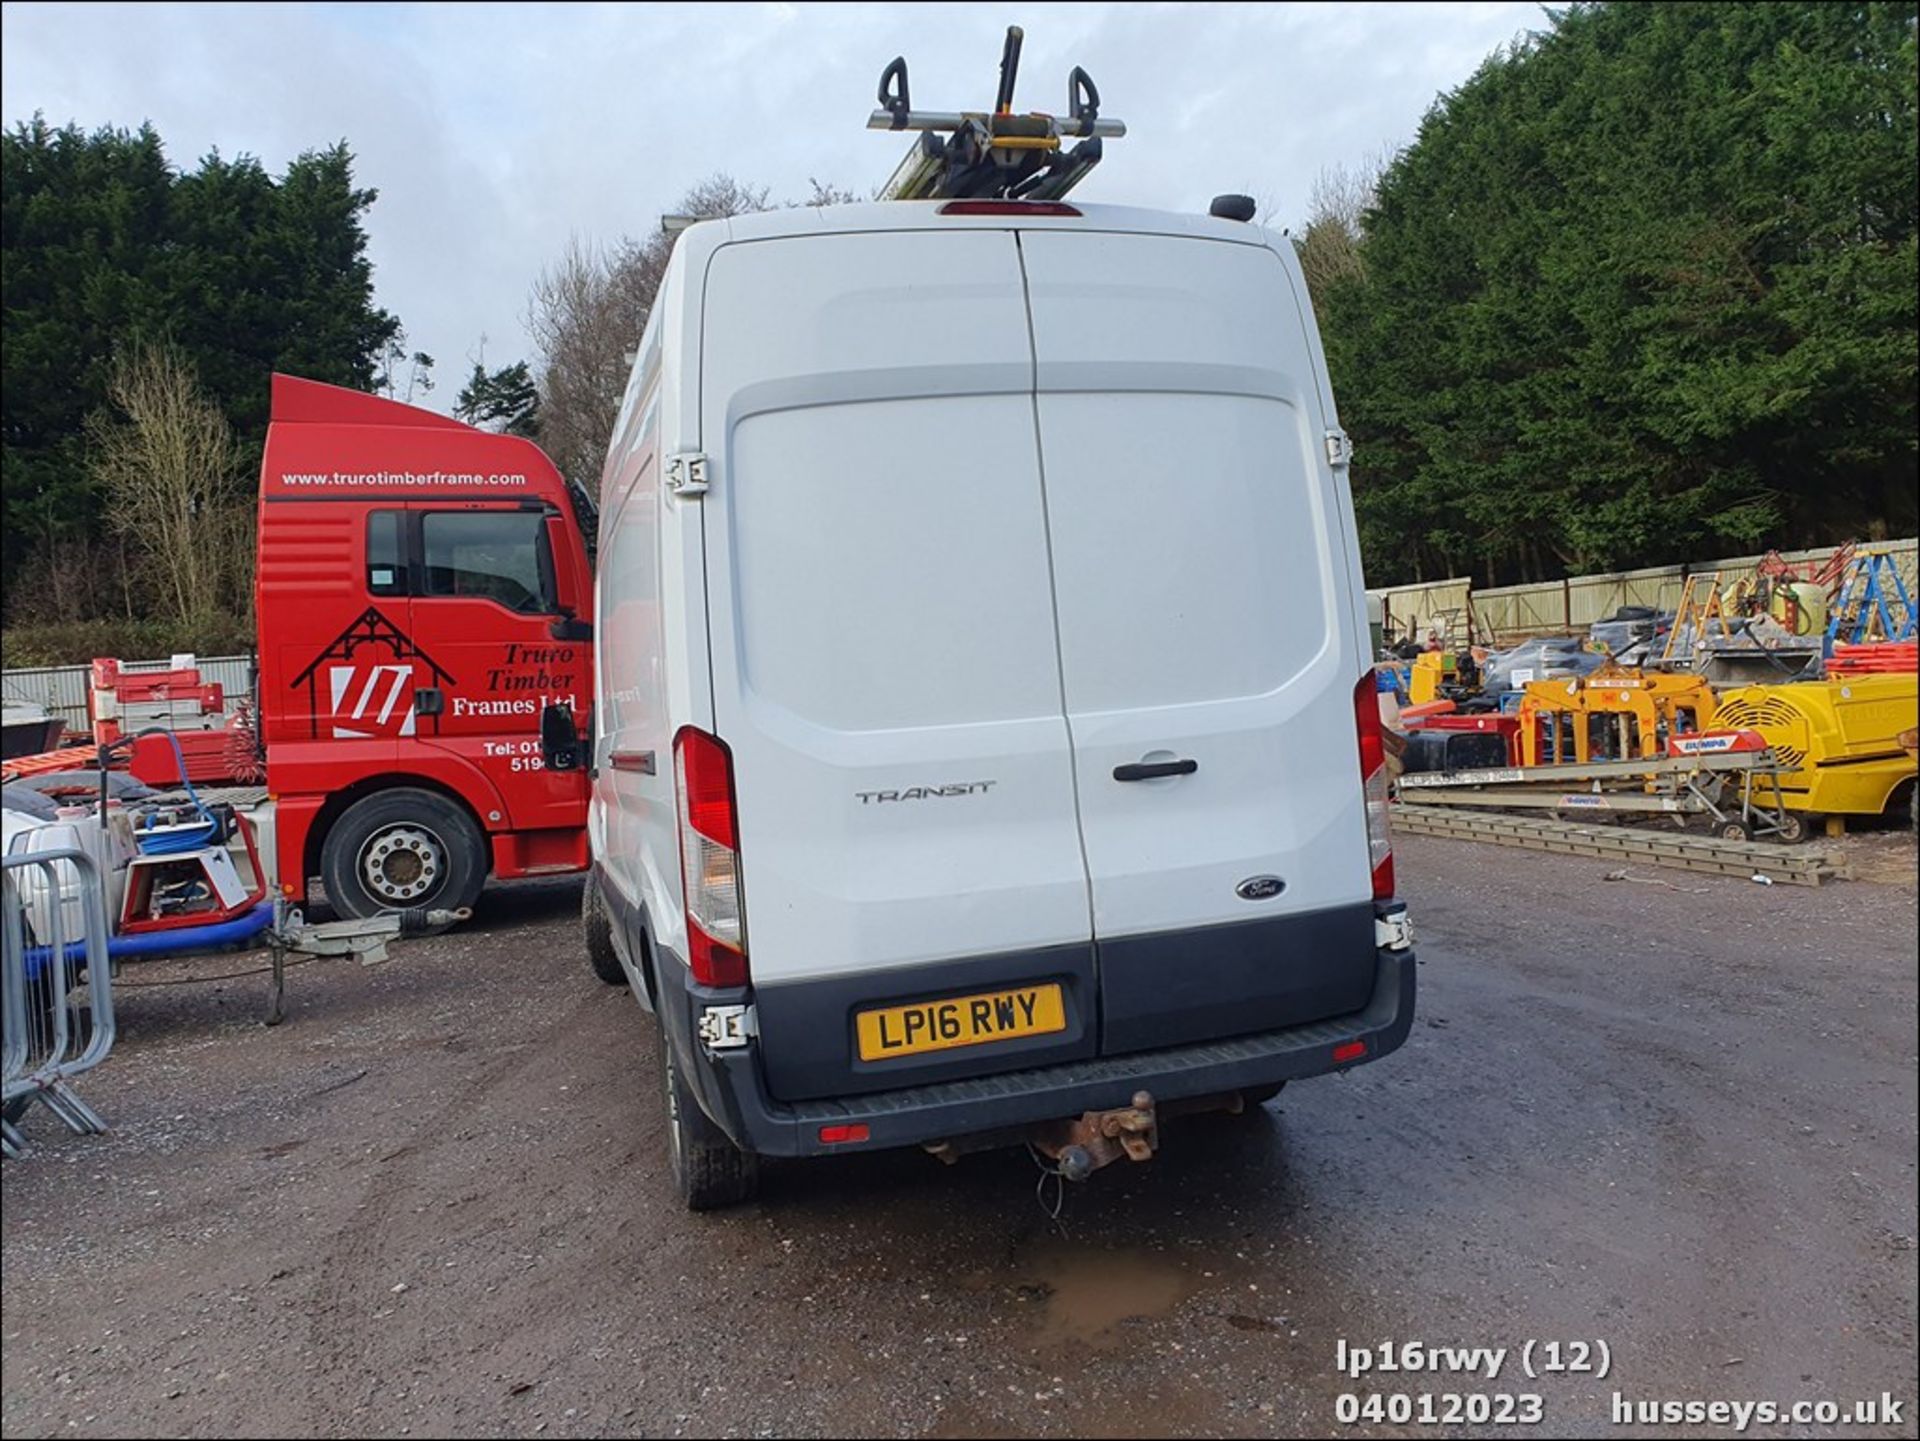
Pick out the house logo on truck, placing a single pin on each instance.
(361, 685)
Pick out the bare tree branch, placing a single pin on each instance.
(587, 313)
(170, 470)
(1330, 243)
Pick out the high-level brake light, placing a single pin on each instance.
(1008, 207)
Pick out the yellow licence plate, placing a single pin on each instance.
(960, 1021)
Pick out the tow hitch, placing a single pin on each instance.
(1074, 1149)
(365, 938)
(1079, 1148)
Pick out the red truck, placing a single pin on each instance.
(423, 592)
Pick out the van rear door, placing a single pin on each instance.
(1206, 634)
(883, 659)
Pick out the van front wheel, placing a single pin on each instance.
(709, 1171)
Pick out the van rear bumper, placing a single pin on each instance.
(732, 1091)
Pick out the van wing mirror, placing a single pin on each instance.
(566, 627)
(559, 739)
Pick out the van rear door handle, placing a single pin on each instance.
(641, 761)
(1149, 770)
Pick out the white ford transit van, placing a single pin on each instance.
(985, 730)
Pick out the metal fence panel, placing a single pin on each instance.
(53, 926)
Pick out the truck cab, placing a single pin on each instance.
(422, 594)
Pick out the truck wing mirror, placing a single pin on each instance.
(559, 739)
(566, 627)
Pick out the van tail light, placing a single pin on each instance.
(1373, 779)
(709, 859)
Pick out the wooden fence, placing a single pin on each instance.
(1504, 614)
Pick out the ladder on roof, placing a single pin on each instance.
(999, 155)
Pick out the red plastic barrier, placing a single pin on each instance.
(1875, 658)
(205, 752)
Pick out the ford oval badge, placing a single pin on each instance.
(1259, 888)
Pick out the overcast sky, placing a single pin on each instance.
(493, 131)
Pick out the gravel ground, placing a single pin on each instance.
(1675, 1114)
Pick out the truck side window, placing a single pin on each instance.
(386, 560)
(498, 555)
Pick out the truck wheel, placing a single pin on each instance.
(599, 934)
(402, 848)
(1260, 1095)
(709, 1171)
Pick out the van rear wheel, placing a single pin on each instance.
(709, 1171)
(402, 848)
(598, 927)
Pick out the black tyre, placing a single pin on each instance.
(1260, 1095)
(402, 848)
(598, 928)
(1733, 831)
(1795, 827)
(709, 1171)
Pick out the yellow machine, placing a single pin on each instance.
(1645, 709)
(1839, 739)
(1431, 669)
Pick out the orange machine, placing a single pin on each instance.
(1622, 712)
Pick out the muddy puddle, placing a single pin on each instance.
(1089, 1296)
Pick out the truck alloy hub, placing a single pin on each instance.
(402, 863)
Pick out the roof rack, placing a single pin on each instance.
(968, 155)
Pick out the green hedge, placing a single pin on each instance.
(78, 641)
